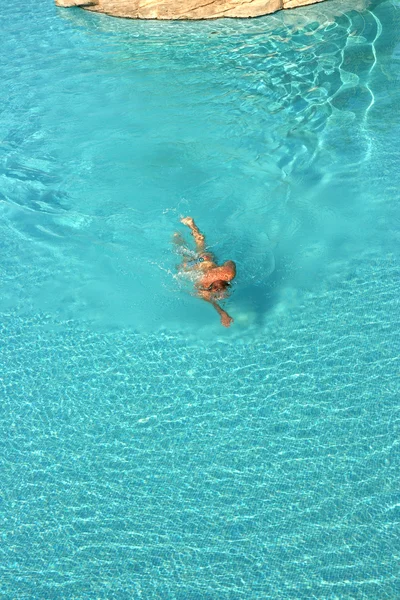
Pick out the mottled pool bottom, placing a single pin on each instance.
(152, 467)
(145, 451)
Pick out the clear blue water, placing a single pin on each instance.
(146, 452)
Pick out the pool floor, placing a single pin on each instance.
(147, 452)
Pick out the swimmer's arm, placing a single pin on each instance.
(226, 320)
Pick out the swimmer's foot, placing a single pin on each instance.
(187, 221)
(178, 239)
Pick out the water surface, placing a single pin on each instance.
(146, 451)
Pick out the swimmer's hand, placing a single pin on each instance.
(226, 320)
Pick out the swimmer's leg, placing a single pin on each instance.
(182, 250)
(178, 240)
(199, 237)
(181, 247)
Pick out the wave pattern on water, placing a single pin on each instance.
(237, 122)
(138, 461)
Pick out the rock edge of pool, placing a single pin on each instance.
(193, 9)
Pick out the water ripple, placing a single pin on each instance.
(126, 125)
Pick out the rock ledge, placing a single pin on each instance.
(185, 9)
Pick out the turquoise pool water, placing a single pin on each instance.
(146, 452)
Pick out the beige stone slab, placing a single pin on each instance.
(69, 3)
(297, 3)
(185, 9)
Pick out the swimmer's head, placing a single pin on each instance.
(219, 285)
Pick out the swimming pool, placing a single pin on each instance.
(146, 451)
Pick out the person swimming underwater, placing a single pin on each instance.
(211, 281)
